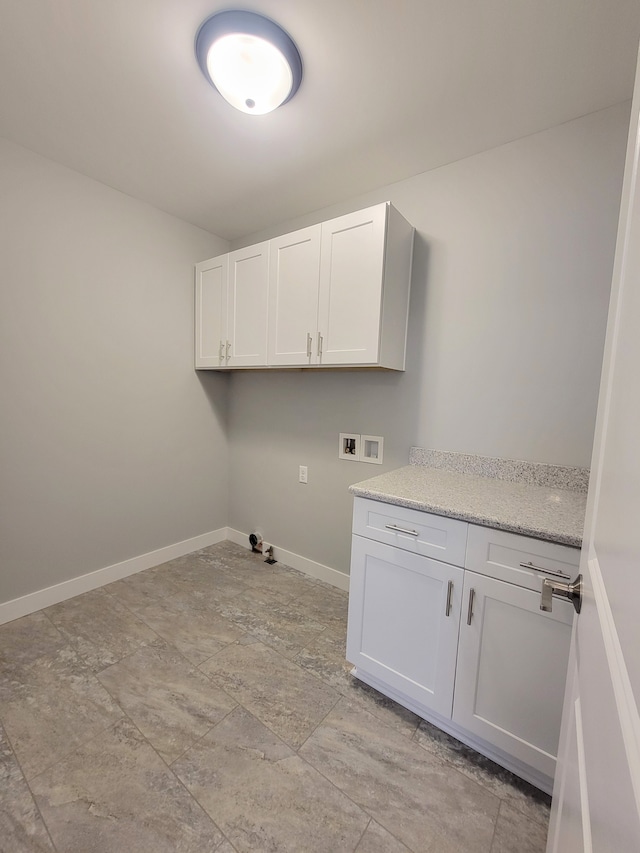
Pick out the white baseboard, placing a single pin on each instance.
(26, 604)
(296, 561)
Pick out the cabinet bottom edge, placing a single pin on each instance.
(518, 768)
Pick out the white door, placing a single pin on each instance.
(404, 612)
(351, 272)
(211, 311)
(512, 669)
(294, 271)
(247, 308)
(597, 790)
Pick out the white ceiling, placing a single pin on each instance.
(392, 88)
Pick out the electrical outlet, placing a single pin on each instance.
(303, 474)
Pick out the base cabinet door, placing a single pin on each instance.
(512, 669)
(404, 612)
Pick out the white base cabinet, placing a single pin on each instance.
(471, 653)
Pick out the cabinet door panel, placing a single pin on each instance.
(351, 274)
(294, 271)
(398, 629)
(211, 311)
(247, 314)
(512, 669)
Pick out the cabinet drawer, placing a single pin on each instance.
(433, 536)
(517, 559)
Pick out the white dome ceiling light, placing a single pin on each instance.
(249, 59)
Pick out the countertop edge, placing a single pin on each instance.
(461, 515)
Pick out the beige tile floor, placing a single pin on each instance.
(206, 705)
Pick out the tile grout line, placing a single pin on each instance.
(172, 772)
(362, 808)
(344, 793)
(320, 678)
(203, 736)
(364, 832)
(280, 601)
(78, 746)
(266, 725)
(192, 666)
(179, 780)
(495, 828)
(512, 804)
(26, 781)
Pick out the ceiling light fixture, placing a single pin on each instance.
(249, 59)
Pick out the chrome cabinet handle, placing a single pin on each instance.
(447, 610)
(571, 591)
(228, 348)
(534, 568)
(472, 595)
(402, 530)
(309, 344)
(221, 351)
(319, 344)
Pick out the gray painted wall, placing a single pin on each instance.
(512, 268)
(110, 444)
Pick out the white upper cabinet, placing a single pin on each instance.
(211, 311)
(294, 271)
(351, 282)
(247, 306)
(231, 309)
(335, 294)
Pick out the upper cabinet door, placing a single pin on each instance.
(247, 308)
(211, 312)
(294, 272)
(351, 280)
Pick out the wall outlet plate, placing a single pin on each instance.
(371, 448)
(349, 447)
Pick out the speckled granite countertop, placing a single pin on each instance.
(543, 501)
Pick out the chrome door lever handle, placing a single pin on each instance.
(571, 591)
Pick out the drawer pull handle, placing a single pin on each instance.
(472, 595)
(402, 530)
(447, 611)
(534, 568)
